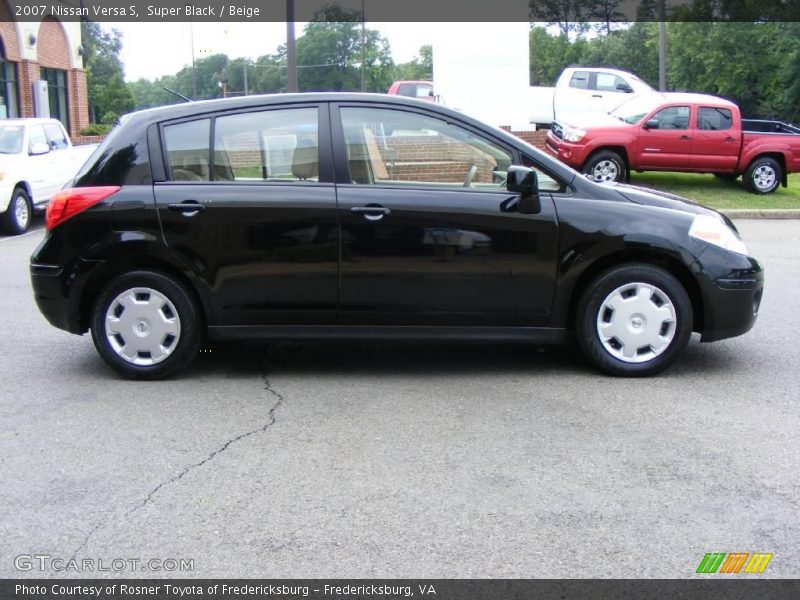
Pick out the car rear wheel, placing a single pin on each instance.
(763, 176)
(19, 212)
(605, 166)
(634, 320)
(146, 325)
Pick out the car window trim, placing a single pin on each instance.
(323, 141)
(341, 165)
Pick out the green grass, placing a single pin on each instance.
(718, 193)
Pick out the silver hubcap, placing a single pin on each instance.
(605, 170)
(142, 326)
(21, 212)
(636, 322)
(764, 177)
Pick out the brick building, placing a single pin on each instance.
(48, 50)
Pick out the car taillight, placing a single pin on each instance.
(68, 203)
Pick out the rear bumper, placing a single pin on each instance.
(732, 304)
(57, 291)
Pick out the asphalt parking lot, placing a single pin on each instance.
(404, 460)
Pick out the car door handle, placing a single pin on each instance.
(597, 95)
(188, 207)
(730, 139)
(371, 213)
(685, 137)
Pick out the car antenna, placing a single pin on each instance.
(181, 96)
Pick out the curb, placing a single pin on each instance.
(766, 213)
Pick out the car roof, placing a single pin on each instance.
(693, 98)
(200, 107)
(30, 121)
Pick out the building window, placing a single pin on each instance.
(9, 104)
(57, 93)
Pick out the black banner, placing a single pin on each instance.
(399, 589)
(406, 10)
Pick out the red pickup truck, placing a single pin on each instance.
(679, 132)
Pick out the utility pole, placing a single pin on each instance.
(245, 77)
(194, 73)
(291, 49)
(662, 46)
(363, 49)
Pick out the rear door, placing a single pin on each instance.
(430, 234)
(256, 218)
(669, 145)
(716, 142)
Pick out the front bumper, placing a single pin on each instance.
(572, 154)
(732, 302)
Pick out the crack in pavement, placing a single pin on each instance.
(270, 421)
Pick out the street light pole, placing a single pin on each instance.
(662, 46)
(363, 49)
(194, 74)
(291, 49)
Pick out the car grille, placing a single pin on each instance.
(557, 130)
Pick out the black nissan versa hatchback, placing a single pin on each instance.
(315, 216)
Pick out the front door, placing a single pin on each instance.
(668, 144)
(430, 235)
(255, 220)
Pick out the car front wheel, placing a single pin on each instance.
(634, 320)
(605, 166)
(19, 212)
(146, 325)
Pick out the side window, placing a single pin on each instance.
(187, 150)
(406, 89)
(55, 136)
(607, 82)
(274, 145)
(547, 183)
(714, 119)
(424, 90)
(672, 117)
(386, 146)
(36, 135)
(580, 80)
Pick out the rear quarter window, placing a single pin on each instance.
(187, 150)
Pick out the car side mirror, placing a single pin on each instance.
(524, 181)
(651, 124)
(624, 87)
(39, 148)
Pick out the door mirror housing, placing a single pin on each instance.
(524, 181)
(651, 124)
(39, 148)
(624, 87)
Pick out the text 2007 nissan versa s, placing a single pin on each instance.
(359, 216)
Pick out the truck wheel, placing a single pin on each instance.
(146, 325)
(763, 176)
(19, 212)
(605, 166)
(633, 320)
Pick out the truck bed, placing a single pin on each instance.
(763, 126)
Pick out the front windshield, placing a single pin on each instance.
(634, 110)
(11, 139)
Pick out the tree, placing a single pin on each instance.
(109, 97)
(329, 54)
(418, 68)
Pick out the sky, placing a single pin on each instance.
(151, 50)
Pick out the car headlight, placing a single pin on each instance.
(573, 134)
(714, 231)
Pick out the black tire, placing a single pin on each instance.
(726, 176)
(12, 223)
(753, 176)
(187, 343)
(612, 159)
(592, 301)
